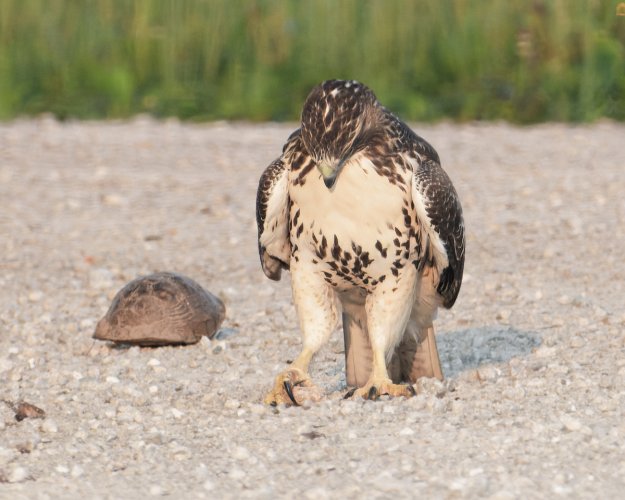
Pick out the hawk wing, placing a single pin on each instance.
(272, 215)
(439, 211)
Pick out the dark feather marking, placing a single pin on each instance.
(336, 249)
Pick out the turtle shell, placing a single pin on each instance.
(160, 309)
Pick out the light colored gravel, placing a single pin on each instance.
(534, 350)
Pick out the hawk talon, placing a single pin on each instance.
(372, 395)
(384, 387)
(350, 393)
(288, 387)
(291, 387)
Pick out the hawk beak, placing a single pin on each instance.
(330, 180)
(330, 172)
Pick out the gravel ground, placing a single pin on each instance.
(534, 401)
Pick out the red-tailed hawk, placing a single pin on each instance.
(360, 211)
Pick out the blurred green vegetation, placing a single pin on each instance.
(517, 60)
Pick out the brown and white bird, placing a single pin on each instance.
(360, 211)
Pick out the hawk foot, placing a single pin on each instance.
(375, 388)
(291, 388)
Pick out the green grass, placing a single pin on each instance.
(517, 60)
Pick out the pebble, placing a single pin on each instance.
(237, 474)
(7, 455)
(6, 365)
(545, 352)
(77, 471)
(489, 372)
(100, 279)
(504, 315)
(570, 423)
(17, 474)
(241, 453)
(232, 404)
(49, 426)
(156, 490)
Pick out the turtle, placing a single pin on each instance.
(163, 308)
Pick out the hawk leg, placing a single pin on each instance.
(316, 310)
(415, 356)
(388, 311)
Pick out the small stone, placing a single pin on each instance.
(208, 485)
(570, 423)
(237, 474)
(5, 365)
(176, 413)
(154, 362)
(77, 471)
(317, 493)
(35, 296)
(26, 410)
(62, 469)
(100, 279)
(514, 393)
(112, 199)
(545, 352)
(7, 455)
(232, 404)
(406, 431)
(17, 474)
(112, 380)
(156, 490)
(49, 426)
(241, 453)
(488, 372)
(564, 300)
(153, 389)
(503, 315)
(258, 409)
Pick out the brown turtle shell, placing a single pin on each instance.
(160, 309)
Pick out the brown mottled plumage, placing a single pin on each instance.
(361, 212)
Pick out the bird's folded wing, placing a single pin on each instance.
(272, 217)
(442, 232)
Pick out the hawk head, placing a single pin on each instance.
(338, 116)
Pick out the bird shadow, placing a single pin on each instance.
(468, 349)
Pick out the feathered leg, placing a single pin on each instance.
(414, 357)
(358, 354)
(388, 309)
(316, 309)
